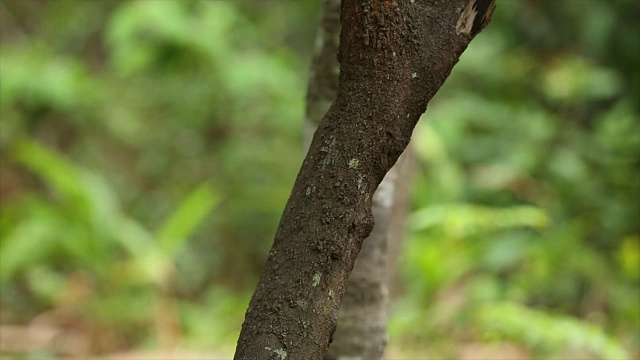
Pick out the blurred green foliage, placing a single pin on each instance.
(148, 148)
(529, 188)
(545, 333)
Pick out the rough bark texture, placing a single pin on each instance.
(361, 329)
(394, 56)
(362, 319)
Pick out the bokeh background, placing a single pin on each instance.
(148, 149)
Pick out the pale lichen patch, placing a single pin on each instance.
(309, 190)
(354, 163)
(282, 354)
(316, 279)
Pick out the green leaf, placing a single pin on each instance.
(55, 170)
(38, 77)
(175, 230)
(628, 255)
(460, 220)
(28, 243)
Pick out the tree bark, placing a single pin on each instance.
(394, 56)
(362, 319)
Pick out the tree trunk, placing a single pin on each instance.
(394, 56)
(362, 319)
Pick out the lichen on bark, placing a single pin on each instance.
(382, 43)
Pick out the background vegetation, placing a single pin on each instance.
(148, 148)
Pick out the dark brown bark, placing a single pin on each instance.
(362, 319)
(394, 56)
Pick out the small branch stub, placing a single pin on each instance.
(475, 17)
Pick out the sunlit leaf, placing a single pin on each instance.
(465, 219)
(629, 256)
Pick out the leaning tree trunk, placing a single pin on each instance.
(394, 55)
(362, 319)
